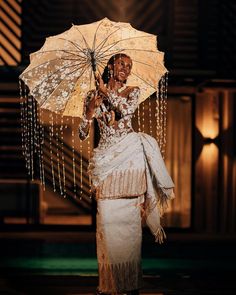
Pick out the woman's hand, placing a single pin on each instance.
(94, 102)
(109, 119)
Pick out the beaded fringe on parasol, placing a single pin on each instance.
(54, 153)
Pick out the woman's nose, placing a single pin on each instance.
(126, 67)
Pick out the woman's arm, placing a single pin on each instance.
(126, 106)
(87, 118)
(84, 128)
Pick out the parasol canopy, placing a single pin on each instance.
(62, 72)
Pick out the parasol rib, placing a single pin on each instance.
(105, 40)
(124, 49)
(82, 37)
(140, 49)
(101, 63)
(53, 50)
(75, 44)
(95, 35)
(25, 72)
(125, 39)
(144, 80)
(113, 52)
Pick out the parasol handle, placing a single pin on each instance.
(93, 63)
(96, 81)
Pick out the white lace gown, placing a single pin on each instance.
(119, 231)
(119, 174)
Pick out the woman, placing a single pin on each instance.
(128, 184)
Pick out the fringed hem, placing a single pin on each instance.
(164, 199)
(162, 202)
(155, 207)
(120, 277)
(160, 235)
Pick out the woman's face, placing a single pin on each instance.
(122, 68)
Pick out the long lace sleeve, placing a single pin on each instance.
(126, 106)
(84, 128)
(84, 125)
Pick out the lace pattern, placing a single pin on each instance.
(124, 109)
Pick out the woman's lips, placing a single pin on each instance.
(123, 74)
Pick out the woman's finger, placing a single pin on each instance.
(112, 120)
(98, 100)
(98, 77)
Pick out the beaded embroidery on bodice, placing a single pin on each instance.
(123, 107)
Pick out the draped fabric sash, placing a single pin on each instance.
(159, 185)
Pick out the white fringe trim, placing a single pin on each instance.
(160, 235)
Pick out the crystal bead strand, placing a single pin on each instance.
(89, 155)
(161, 114)
(150, 115)
(35, 129)
(159, 118)
(81, 168)
(165, 112)
(41, 136)
(37, 139)
(139, 123)
(27, 150)
(157, 115)
(63, 156)
(143, 117)
(73, 155)
(26, 132)
(22, 118)
(31, 136)
(37, 154)
(58, 155)
(51, 152)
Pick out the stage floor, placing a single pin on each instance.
(178, 284)
(65, 264)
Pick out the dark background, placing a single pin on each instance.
(199, 41)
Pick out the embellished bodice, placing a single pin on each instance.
(113, 115)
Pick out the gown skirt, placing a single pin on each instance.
(119, 238)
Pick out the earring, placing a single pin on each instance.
(111, 72)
